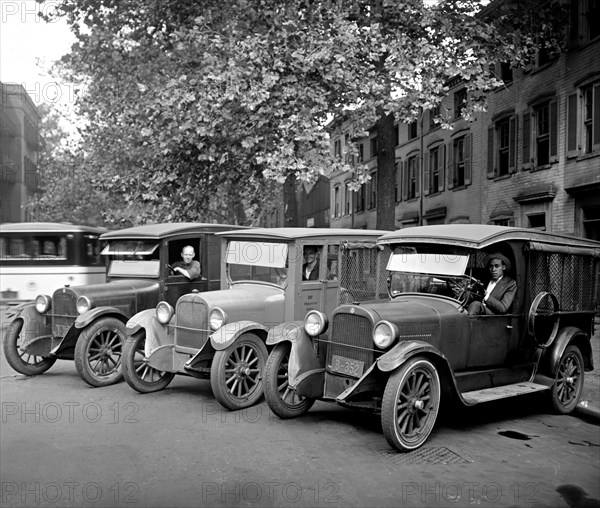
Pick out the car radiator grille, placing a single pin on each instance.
(351, 338)
(192, 324)
(63, 312)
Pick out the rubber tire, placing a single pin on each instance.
(219, 364)
(274, 369)
(397, 384)
(571, 363)
(135, 346)
(82, 353)
(15, 360)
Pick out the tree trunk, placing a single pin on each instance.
(386, 174)
(290, 204)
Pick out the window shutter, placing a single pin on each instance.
(417, 176)
(512, 147)
(468, 143)
(441, 166)
(572, 126)
(554, 131)
(426, 175)
(404, 166)
(526, 140)
(450, 166)
(491, 170)
(596, 120)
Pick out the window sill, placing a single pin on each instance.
(586, 156)
(502, 177)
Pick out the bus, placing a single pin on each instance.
(38, 257)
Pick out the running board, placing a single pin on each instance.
(502, 392)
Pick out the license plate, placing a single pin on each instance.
(347, 366)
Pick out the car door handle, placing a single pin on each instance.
(509, 327)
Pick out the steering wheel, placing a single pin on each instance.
(471, 289)
(170, 268)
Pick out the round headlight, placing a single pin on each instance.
(315, 323)
(83, 304)
(384, 334)
(164, 312)
(43, 303)
(217, 318)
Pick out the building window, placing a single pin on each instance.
(537, 221)
(459, 172)
(347, 199)
(359, 203)
(434, 170)
(433, 114)
(502, 71)
(373, 147)
(583, 121)
(412, 130)
(372, 191)
(460, 101)
(544, 133)
(337, 148)
(502, 153)
(361, 152)
(396, 135)
(410, 185)
(337, 202)
(396, 184)
(585, 21)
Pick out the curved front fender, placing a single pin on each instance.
(90, 316)
(34, 324)
(403, 351)
(229, 333)
(291, 332)
(157, 334)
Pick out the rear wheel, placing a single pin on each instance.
(138, 374)
(568, 381)
(98, 352)
(21, 361)
(410, 404)
(284, 402)
(236, 372)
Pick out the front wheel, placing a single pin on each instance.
(568, 381)
(136, 371)
(410, 404)
(98, 352)
(284, 402)
(236, 372)
(21, 361)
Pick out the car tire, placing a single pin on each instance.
(236, 372)
(282, 401)
(98, 352)
(136, 371)
(568, 381)
(22, 362)
(410, 404)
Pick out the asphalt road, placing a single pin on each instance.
(66, 444)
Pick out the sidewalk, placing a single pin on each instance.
(589, 405)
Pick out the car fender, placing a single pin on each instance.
(402, 351)
(90, 316)
(157, 334)
(228, 333)
(291, 332)
(566, 336)
(34, 324)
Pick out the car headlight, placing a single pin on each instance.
(315, 323)
(384, 334)
(83, 304)
(164, 312)
(217, 318)
(43, 303)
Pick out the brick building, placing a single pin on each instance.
(19, 147)
(531, 160)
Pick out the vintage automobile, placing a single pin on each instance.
(403, 356)
(221, 334)
(87, 322)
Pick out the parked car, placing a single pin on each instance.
(404, 356)
(220, 335)
(87, 323)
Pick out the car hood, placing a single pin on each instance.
(110, 293)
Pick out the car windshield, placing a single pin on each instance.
(415, 270)
(131, 267)
(257, 262)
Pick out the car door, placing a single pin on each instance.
(177, 285)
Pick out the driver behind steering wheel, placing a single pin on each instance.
(501, 289)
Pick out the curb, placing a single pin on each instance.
(585, 408)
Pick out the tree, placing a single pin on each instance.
(203, 101)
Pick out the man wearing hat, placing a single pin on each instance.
(500, 291)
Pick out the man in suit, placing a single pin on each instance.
(500, 291)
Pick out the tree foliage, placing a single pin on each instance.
(193, 107)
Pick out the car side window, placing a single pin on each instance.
(311, 262)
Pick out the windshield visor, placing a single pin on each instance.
(428, 263)
(129, 248)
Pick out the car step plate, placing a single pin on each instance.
(502, 392)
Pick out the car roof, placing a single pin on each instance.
(161, 230)
(479, 236)
(302, 233)
(48, 227)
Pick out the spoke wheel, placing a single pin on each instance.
(236, 372)
(568, 382)
(21, 361)
(284, 402)
(136, 371)
(410, 404)
(98, 352)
